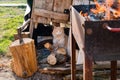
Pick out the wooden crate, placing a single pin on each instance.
(50, 10)
(46, 11)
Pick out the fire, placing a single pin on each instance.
(99, 8)
(106, 7)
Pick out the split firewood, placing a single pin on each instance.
(61, 55)
(43, 61)
(51, 59)
(48, 46)
(54, 59)
(61, 51)
(58, 56)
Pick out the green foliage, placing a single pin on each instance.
(13, 1)
(10, 19)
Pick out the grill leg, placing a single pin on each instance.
(73, 59)
(87, 68)
(113, 70)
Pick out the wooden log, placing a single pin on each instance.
(60, 58)
(51, 59)
(61, 51)
(24, 57)
(48, 46)
(57, 57)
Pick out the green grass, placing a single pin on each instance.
(12, 1)
(10, 19)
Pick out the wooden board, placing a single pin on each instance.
(59, 69)
(44, 4)
(39, 19)
(51, 15)
(24, 35)
(60, 5)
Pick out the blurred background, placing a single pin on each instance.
(11, 16)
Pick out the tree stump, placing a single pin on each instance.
(24, 57)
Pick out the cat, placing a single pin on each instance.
(59, 38)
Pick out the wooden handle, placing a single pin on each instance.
(19, 30)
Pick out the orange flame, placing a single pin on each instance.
(108, 4)
(99, 8)
(107, 8)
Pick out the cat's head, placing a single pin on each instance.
(58, 31)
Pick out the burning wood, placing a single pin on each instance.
(105, 10)
(100, 8)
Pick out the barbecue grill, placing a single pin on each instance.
(101, 42)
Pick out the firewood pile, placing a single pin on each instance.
(55, 52)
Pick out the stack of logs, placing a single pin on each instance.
(57, 56)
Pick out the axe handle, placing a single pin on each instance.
(19, 30)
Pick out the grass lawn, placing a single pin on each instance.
(10, 19)
(12, 1)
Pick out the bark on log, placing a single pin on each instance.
(51, 59)
(48, 46)
(57, 57)
(24, 57)
(61, 51)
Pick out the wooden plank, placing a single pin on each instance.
(44, 4)
(24, 35)
(113, 70)
(59, 69)
(59, 21)
(40, 19)
(96, 74)
(44, 20)
(50, 14)
(60, 5)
